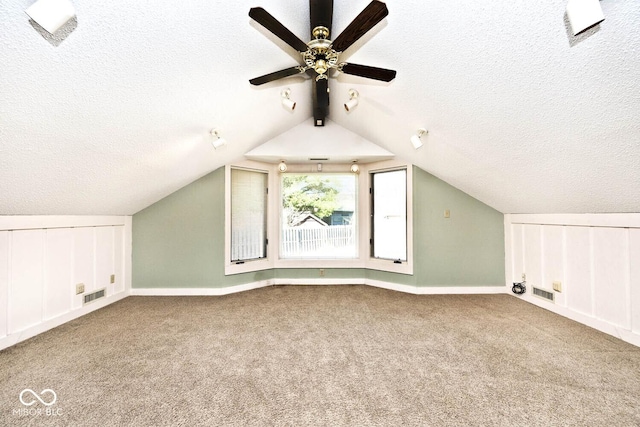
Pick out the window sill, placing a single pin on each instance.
(247, 267)
(370, 264)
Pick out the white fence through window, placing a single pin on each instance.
(335, 241)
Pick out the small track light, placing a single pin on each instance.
(287, 103)
(415, 139)
(219, 141)
(282, 167)
(354, 167)
(353, 100)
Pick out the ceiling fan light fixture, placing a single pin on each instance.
(322, 53)
(416, 140)
(282, 167)
(218, 141)
(353, 100)
(287, 103)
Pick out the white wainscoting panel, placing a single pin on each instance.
(611, 275)
(553, 260)
(118, 258)
(83, 256)
(26, 284)
(634, 278)
(41, 265)
(533, 254)
(4, 281)
(104, 258)
(578, 270)
(517, 244)
(596, 257)
(58, 272)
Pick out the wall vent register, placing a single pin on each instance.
(549, 296)
(94, 296)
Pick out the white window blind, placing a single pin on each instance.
(390, 215)
(248, 215)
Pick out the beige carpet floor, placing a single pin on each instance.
(322, 356)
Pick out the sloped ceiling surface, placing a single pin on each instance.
(114, 113)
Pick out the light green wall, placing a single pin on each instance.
(465, 249)
(179, 241)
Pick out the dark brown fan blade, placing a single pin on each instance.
(368, 18)
(320, 101)
(275, 76)
(321, 12)
(369, 72)
(265, 19)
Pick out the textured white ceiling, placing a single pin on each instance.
(306, 143)
(522, 115)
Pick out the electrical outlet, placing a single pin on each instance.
(79, 288)
(113, 278)
(557, 286)
(322, 272)
(447, 213)
(524, 277)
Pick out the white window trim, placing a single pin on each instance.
(358, 262)
(364, 259)
(386, 264)
(249, 265)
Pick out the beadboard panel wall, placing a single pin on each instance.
(40, 267)
(596, 257)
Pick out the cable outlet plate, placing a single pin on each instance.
(113, 278)
(79, 288)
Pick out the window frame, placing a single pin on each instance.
(357, 215)
(274, 200)
(361, 215)
(405, 267)
(243, 266)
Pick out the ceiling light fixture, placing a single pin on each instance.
(219, 141)
(51, 14)
(354, 167)
(282, 167)
(286, 101)
(353, 100)
(415, 139)
(584, 14)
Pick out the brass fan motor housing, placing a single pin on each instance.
(320, 32)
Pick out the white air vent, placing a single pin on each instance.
(95, 295)
(549, 296)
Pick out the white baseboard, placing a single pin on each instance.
(172, 292)
(315, 282)
(592, 322)
(437, 290)
(34, 330)
(416, 290)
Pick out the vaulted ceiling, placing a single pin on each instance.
(113, 112)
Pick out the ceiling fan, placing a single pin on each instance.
(321, 54)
